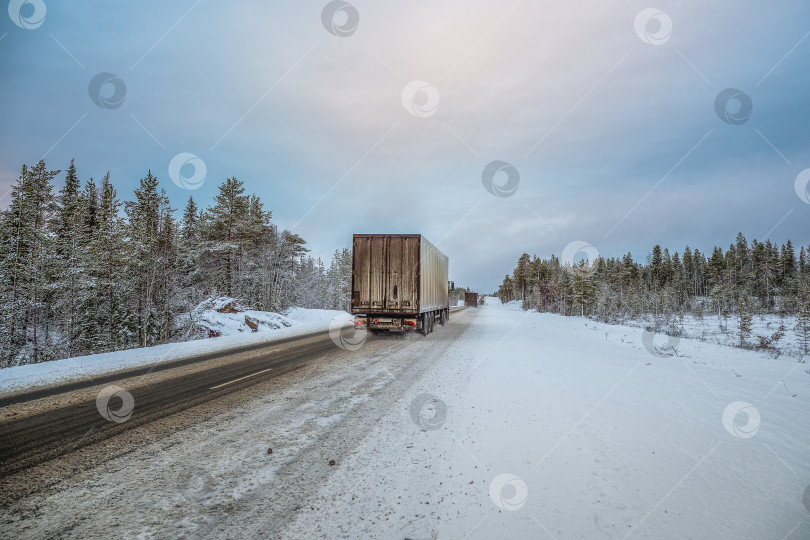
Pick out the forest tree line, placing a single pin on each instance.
(83, 272)
(760, 278)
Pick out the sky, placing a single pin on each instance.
(492, 128)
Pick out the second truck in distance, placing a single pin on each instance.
(399, 283)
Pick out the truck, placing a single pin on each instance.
(399, 283)
(471, 299)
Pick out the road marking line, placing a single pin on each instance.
(240, 379)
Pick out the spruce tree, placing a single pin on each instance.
(29, 267)
(226, 223)
(802, 328)
(145, 216)
(584, 290)
(89, 333)
(744, 319)
(114, 261)
(16, 241)
(68, 225)
(190, 250)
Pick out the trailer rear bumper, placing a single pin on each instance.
(375, 322)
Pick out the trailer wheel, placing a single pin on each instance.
(432, 322)
(443, 317)
(425, 321)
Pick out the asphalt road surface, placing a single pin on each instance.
(71, 418)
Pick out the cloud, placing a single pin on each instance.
(590, 115)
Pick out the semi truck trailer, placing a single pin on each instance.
(471, 299)
(399, 283)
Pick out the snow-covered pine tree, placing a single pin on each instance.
(766, 263)
(30, 266)
(522, 276)
(113, 261)
(76, 277)
(656, 266)
(90, 338)
(67, 224)
(15, 236)
(345, 279)
(189, 253)
(332, 283)
(699, 273)
(802, 328)
(744, 319)
(743, 267)
(167, 273)
(257, 242)
(291, 250)
(145, 215)
(583, 288)
(226, 224)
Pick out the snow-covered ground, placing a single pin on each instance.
(233, 329)
(503, 424)
(725, 331)
(561, 428)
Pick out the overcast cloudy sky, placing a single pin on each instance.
(607, 111)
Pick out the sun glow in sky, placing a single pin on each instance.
(385, 119)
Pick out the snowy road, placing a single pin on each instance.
(46, 423)
(544, 427)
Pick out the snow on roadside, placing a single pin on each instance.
(234, 333)
(504, 423)
(560, 427)
(224, 316)
(713, 328)
(716, 329)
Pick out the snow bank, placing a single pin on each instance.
(226, 317)
(233, 328)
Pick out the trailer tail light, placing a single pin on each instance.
(359, 321)
(409, 322)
